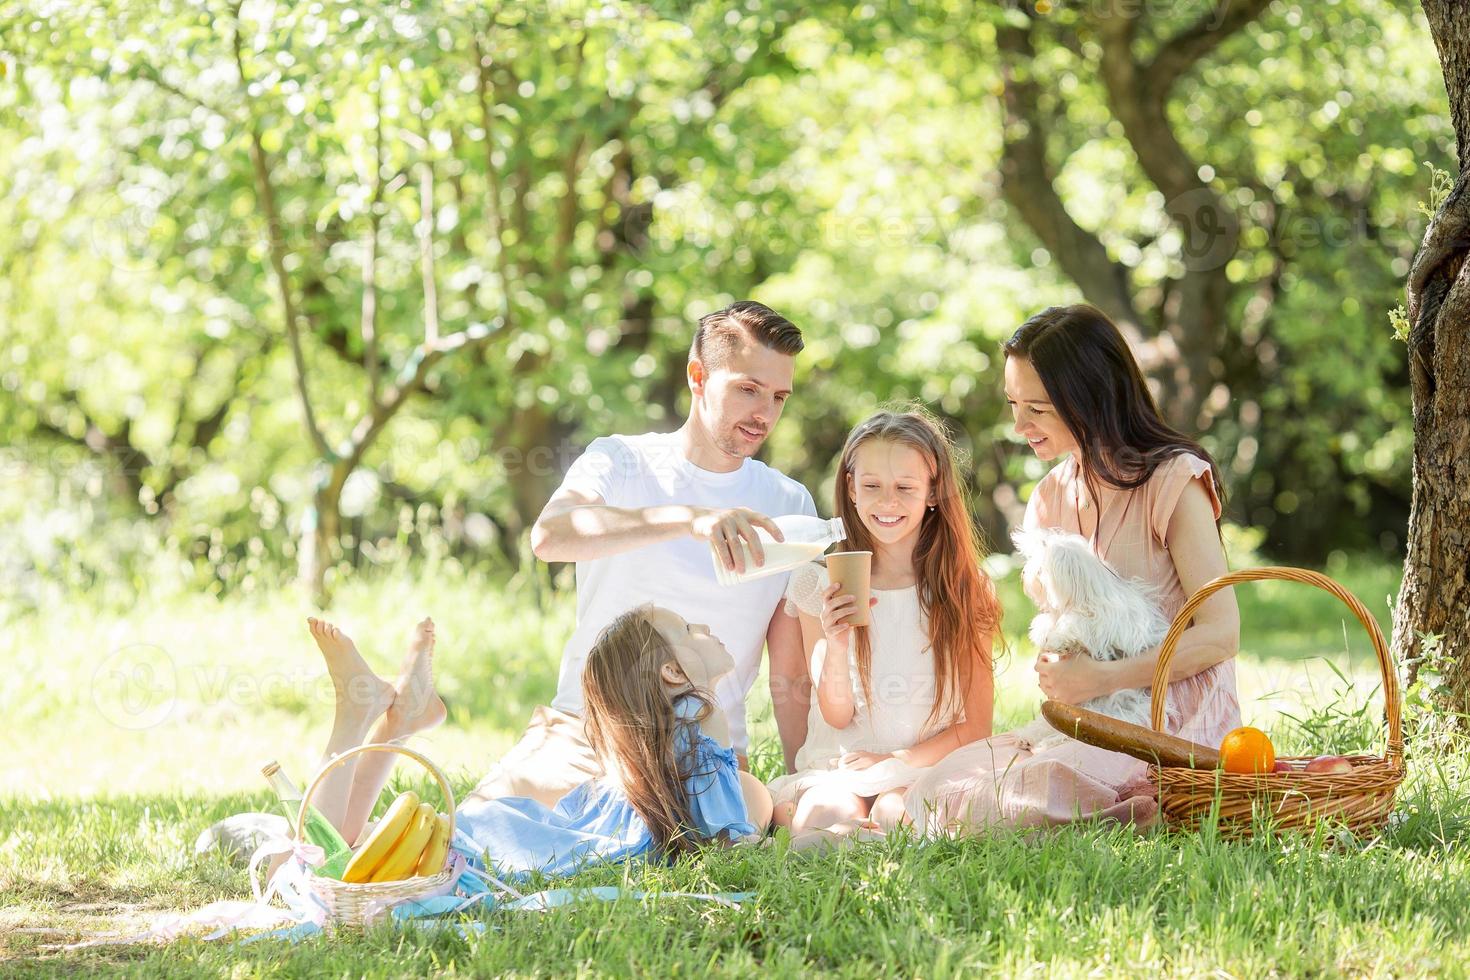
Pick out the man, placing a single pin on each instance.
(640, 516)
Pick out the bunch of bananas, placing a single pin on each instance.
(411, 840)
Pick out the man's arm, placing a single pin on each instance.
(791, 688)
(577, 526)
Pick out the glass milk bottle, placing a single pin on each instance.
(806, 539)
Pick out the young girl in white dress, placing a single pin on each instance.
(894, 697)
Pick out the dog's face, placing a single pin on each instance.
(1028, 546)
(1061, 572)
(1084, 605)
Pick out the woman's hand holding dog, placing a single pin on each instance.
(1072, 678)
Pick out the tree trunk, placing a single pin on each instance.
(1435, 597)
(321, 534)
(1178, 328)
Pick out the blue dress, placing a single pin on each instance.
(595, 823)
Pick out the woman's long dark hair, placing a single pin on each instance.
(1097, 389)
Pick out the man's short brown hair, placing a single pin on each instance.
(719, 332)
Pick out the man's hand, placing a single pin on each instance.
(725, 529)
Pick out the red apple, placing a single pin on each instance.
(1283, 766)
(1329, 764)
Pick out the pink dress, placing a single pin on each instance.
(1001, 780)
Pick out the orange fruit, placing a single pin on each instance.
(1247, 750)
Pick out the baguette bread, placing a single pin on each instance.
(1121, 736)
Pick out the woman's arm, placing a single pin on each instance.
(1213, 638)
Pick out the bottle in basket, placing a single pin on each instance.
(317, 828)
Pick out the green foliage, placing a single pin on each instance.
(599, 176)
(1398, 319)
(1430, 723)
(1441, 182)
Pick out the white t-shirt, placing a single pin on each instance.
(652, 471)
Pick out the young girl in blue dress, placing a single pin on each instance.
(673, 781)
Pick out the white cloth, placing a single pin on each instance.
(652, 471)
(903, 686)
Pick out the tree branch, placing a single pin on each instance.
(117, 445)
(1028, 184)
(264, 190)
(483, 90)
(1142, 111)
(1139, 95)
(1208, 225)
(206, 429)
(411, 378)
(370, 257)
(1193, 44)
(426, 252)
(146, 72)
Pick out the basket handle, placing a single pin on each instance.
(1305, 576)
(418, 757)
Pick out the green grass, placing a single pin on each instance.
(109, 772)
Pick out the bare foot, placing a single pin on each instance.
(416, 705)
(361, 693)
(838, 837)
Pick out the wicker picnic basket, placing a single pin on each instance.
(1359, 800)
(356, 905)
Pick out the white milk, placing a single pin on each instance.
(806, 539)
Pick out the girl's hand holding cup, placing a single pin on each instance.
(836, 610)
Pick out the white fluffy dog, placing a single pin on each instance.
(1088, 608)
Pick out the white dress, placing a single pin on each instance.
(903, 686)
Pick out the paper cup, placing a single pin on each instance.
(853, 571)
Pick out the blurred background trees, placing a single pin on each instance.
(288, 289)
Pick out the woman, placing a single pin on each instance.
(1148, 499)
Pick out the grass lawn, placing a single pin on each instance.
(131, 730)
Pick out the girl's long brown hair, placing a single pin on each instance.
(632, 726)
(956, 596)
